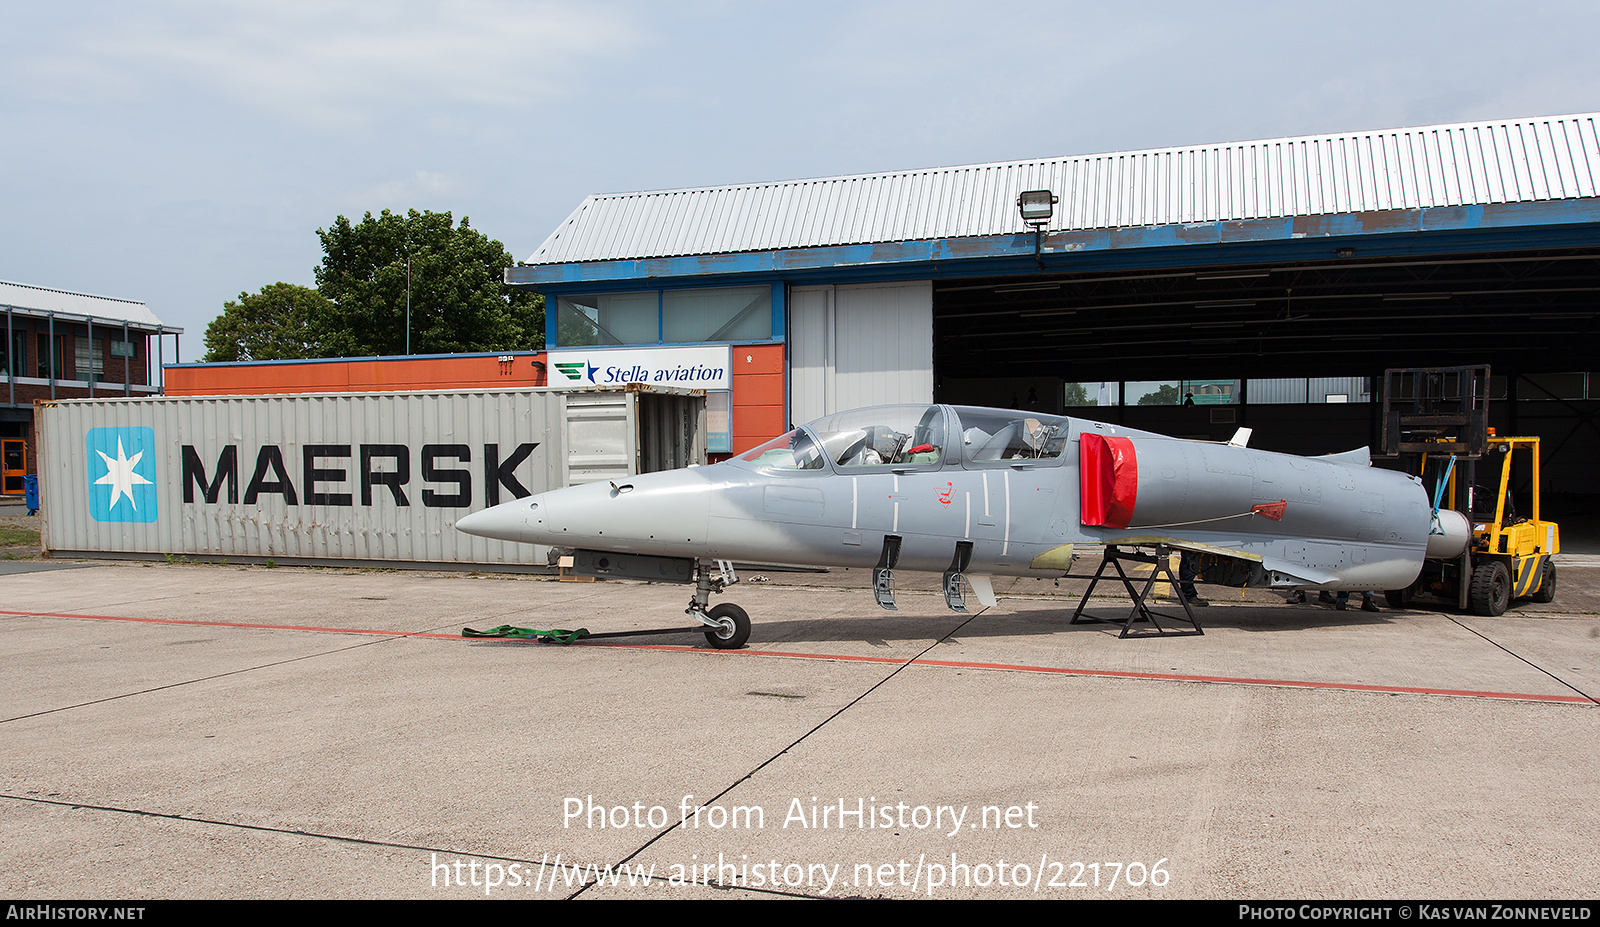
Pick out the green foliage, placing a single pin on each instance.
(282, 322)
(1165, 395)
(1076, 395)
(459, 302)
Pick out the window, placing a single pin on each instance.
(719, 418)
(1551, 386)
(609, 318)
(1183, 392)
(740, 313)
(52, 363)
(1313, 390)
(1087, 393)
(89, 363)
(736, 313)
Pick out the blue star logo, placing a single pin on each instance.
(591, 369)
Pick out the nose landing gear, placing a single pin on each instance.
(727, 625)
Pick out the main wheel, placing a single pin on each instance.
(1547, 584)
(1491, 589)
(733, 627)
(1395, 597)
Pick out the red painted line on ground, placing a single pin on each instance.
(850, 658)
(1294, 683)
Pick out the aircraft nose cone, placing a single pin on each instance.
(663, 513)
(505, 522)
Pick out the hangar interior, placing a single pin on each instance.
(1258, 337)
(1273, 281)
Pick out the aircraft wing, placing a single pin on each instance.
(1245, 568)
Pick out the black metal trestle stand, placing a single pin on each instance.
(1161, 569)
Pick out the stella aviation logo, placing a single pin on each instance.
(122, 470)
(577, 370)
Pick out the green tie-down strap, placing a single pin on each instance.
(553, 636)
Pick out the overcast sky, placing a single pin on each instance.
(182, 151)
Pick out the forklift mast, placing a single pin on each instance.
(1441, 412)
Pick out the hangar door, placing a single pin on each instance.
(859, 345)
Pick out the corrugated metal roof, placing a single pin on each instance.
(1503, 161)
(42, 299)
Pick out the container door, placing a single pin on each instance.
(601, 430)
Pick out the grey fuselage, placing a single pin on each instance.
(1008, 482)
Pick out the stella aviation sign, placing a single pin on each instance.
(690, 367)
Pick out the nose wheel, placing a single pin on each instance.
(731, 627)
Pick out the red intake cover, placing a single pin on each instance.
(1109, 479)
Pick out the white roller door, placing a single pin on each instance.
(862, 345)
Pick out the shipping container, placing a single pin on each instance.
(376, 477)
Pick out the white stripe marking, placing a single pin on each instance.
(1005, 547)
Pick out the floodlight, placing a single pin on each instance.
(1036, 206)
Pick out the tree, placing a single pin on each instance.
(1076, 395)
(282, 322)
(1166, 394)
(459, 301)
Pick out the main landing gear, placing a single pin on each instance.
(727, 625)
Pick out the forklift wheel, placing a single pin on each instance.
(1547, 584)
(1491, 589)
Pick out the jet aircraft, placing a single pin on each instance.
(977, 492)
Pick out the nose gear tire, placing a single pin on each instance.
(734, 627)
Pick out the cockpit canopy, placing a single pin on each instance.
(919, 437)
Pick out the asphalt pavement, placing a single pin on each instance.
(173, 730)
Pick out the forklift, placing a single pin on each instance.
(1438, 417)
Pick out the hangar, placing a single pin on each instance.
(1267, 282)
